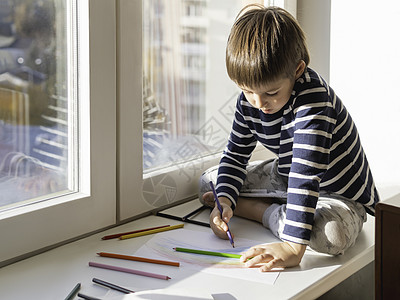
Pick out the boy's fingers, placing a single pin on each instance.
(258, 259)
(252, 252)
(220, 223)
(220, 232)
(226, 217)
(227, 213)
(270, 265)
(256, 256)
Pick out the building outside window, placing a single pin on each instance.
(36, 107)
(188, 98)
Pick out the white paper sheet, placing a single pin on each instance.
(162, 244)
(168, 294)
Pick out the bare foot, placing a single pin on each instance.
(208, 199)
(248, 208)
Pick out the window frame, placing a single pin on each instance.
(37, 227)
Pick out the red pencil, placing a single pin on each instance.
(117, 235)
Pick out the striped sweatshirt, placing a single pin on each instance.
(318, 148)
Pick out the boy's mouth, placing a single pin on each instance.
(266, 110)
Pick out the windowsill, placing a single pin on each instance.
(53, 274)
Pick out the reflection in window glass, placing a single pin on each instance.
(34, 102)
(188, 99)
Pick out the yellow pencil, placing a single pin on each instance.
(128, 236)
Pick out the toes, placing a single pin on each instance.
(208, 199)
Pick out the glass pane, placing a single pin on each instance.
(188, 99)
(35, 127)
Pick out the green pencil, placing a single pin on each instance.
(203, 252)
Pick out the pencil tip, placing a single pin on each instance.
(174, 248)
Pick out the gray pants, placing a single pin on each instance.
(337, 221)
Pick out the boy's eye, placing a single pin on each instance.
(272, 94)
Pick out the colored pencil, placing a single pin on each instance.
(83, 296)
(74, 291)
(117, 235)
(203, 252)
(112, 286)
(220, 209)
(137, 258)
(126, 270)
(128, 236)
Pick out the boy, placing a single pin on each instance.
(319, 188)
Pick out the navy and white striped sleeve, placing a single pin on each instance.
(232, 167)
(314, 121)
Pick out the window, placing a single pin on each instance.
(57, 122)
(188, 99)
(37, 152)
(183, 69)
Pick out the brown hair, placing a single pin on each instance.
(265, 44)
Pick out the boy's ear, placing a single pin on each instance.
(300, 69)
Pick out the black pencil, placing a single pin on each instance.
(112, 286)
(75, 290)
(87, 297)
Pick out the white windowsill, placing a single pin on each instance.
(53, 274)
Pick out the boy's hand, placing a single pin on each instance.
(218, 222)
(276, 255)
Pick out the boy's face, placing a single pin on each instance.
(269, 98)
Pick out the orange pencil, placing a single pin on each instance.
(117, 235)
(137, 258)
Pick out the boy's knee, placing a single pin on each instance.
(337, 224)
(330, 238)
(336, 238)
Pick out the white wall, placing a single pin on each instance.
(314, 18)
(354, 46)
(364, 68)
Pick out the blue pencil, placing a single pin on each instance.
(220, 209)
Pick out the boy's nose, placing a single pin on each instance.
(258, 101)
